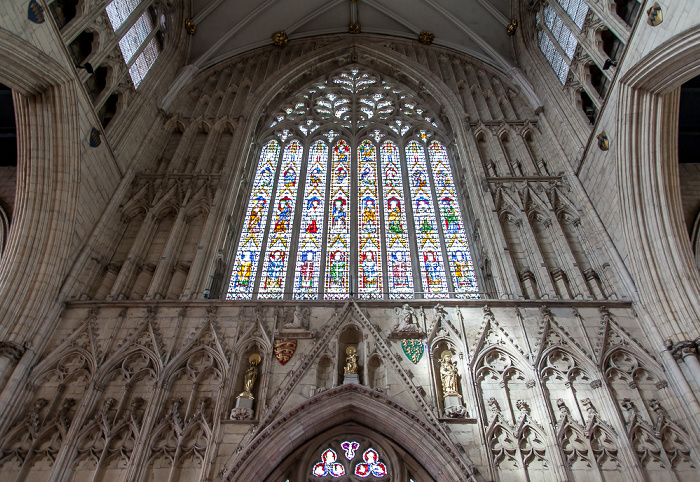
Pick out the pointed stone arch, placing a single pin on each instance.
(345, 404)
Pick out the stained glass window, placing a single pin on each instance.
(369, 274)
(250, 245)
(308, 265)
(377, 215)
(400, 274)
(281, 225)
(459, 257)
(338, 256)
(429, 247)
(576, 9)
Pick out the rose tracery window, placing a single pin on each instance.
(353, 196)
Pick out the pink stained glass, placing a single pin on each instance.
(427, 234)
(338, 246)
(369, 270)
(328, 465)
(350, 448)
(308, 263)
(371, 465)
(460, 262)
(395, 227)
(274, 269)
(250, 243)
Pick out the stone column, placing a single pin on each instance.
(687, 350)
(10, 353)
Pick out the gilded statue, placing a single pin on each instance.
(448, 374)
(351, 361)
(250, 376)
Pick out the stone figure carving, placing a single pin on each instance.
(250, 376)
(298, 318)
(448, 374)
(404, 319)
(351, 361)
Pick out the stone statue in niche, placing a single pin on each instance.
(244, 401)
(298, 319)
(449, 376)
(351, 368)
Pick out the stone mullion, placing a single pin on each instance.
(527, 157)
(506, 107)
(296, 222)
(489, 231)
(439, 219)
(204, 162)
(487, 89)
(410, 224)
(138, 463)
(566, 258)
(127, 274)
(535, 261)
(555, 455)
(463, 86)
(167, 258)
(499, 156)
(326, 223)
(183, 147)
(473, 83)
(354, 218)
(215, 228)
(613, 415)
(384, 267)
(62, 466)
(593, 259)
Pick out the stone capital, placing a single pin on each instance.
(11, 350)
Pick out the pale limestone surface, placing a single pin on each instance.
(114, 367)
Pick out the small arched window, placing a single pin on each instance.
(353, 195)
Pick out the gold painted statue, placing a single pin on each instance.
(448, 374)
(351, 360)
(250, 376)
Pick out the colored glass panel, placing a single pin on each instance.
(460, 261)
(274, 270)
(429, 248)
(397, 248)
(338, 255)
(250, 243)
(369, 269)
(308, 264)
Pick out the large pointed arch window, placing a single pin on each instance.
(353, 195)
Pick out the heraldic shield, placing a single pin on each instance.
(284, 350)
(413, 348)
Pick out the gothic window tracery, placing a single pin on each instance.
(350, 168)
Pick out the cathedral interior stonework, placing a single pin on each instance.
(349, 240)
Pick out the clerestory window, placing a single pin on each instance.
(141, 29)
(554, 38)
(353, 195)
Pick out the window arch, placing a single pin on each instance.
(353, 196)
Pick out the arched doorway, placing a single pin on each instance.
(290, 445)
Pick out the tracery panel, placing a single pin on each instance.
(279, 239)
(308, 264)
(429, 248)
(369, 275)
(337, 274)
(250, 243)
(397, 247)
(460, 260)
